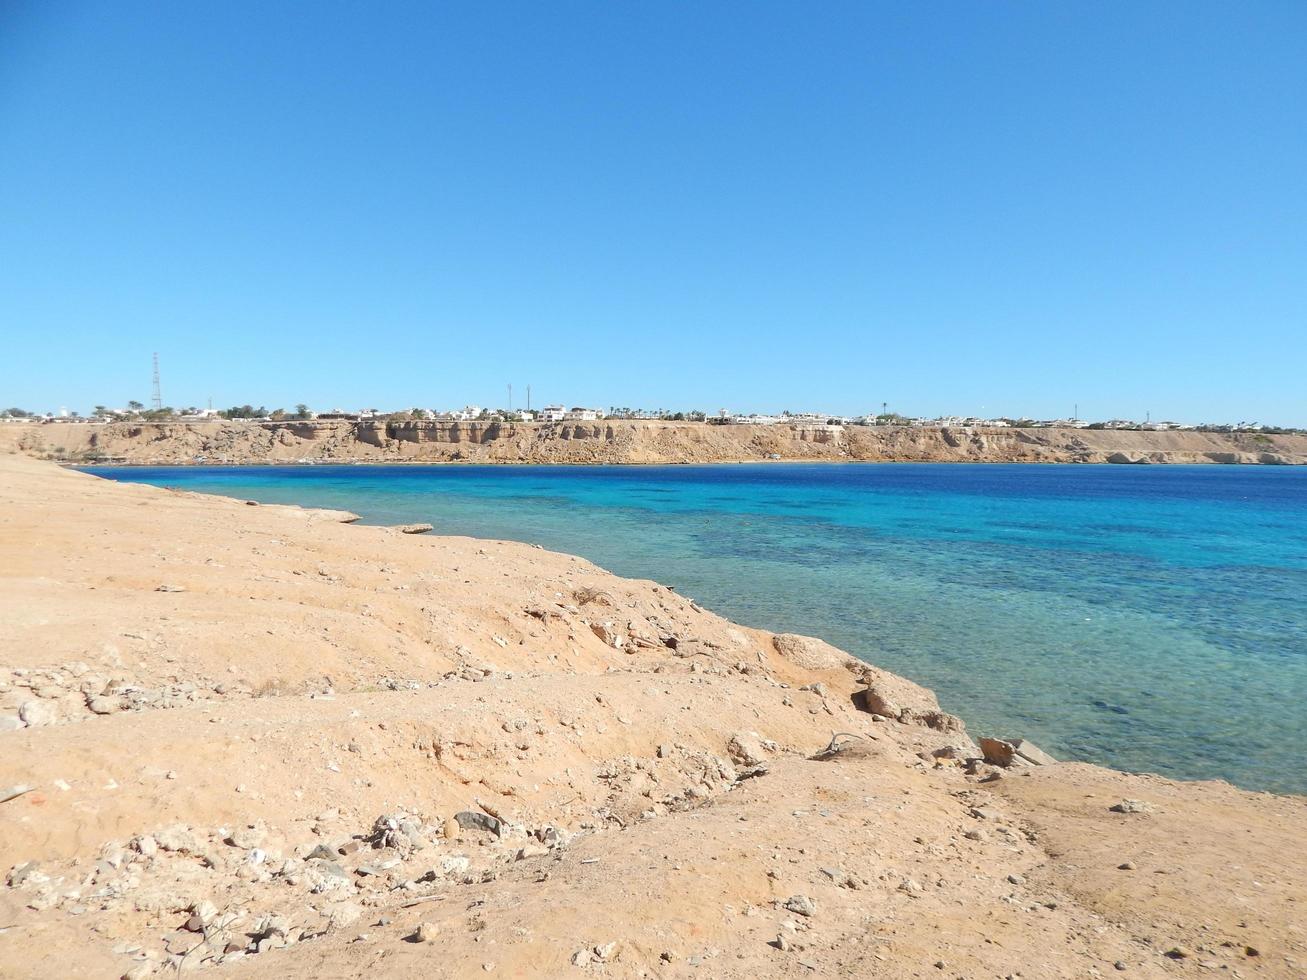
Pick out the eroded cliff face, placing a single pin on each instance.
(622, 442)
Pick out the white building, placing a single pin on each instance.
(553, 413)
(583, 415)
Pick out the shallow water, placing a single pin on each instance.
(1147, 618)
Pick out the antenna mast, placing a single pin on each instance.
(157, 397)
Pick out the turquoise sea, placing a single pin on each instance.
(1148, 618)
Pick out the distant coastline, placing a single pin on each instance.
(624, 442)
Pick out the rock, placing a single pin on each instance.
(344, 915)
(745, 749)
(911, 886)
(607, 632)
(145, 845)
(104, 704)
(1131, 806)
(1126, 866)
(874, 702)
(11, 723)
(605, 952)
(398, 831)
(1179, 953)
(451, 829)
(37, 713)
(582, 957)
(20, 873)
(413, 528)
(8, 793)
(427, 932)
(1014, 752)
(248, 837)
(177, 838)
(170, 588)
(482, 821)
(801, 905)
(1016, 880)
(809, 652)
(323, 852)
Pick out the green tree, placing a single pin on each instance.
(134, 406)
(302, 411)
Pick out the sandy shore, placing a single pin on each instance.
(631, 442)
(258, 739)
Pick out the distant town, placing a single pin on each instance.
(137, 412)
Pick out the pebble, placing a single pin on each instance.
(1126, 866)
(427, 932)
(1016, 880)
(1131, 806)
(801, 905)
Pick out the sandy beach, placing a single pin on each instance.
(259, 735)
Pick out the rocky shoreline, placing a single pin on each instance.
(623, 442)
(259, 738)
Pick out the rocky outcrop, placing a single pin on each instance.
(624, 442)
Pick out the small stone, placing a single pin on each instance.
(451, 828)
(37, 713)
(582, 957)
(1131, 806)
(801, 905)
(1119, 965)
(248, 837)
(427, 932)
(1016, 880)
(1126, 866)
(1179, 953)
(483, 821)
(745, 749)
(103, 705)
(605, 952)
(975, 834)
(781, 943)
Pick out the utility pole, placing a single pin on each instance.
(1075, 417)
(158, 396)
(528, 398)
(510, 398)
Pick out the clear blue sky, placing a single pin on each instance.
(1000, 207)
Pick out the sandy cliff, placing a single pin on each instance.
(623, 442)
(258, 738)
